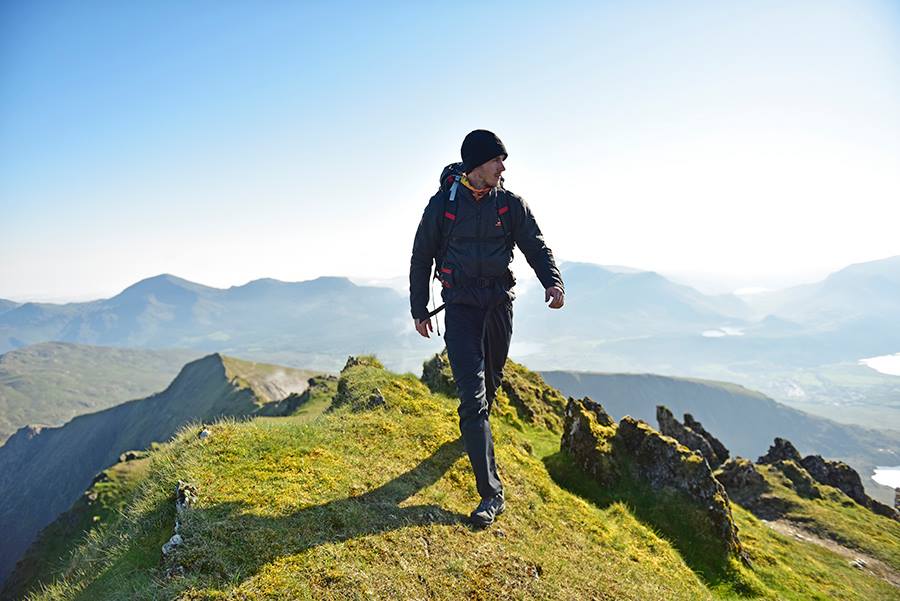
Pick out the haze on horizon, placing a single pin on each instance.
(726, 144)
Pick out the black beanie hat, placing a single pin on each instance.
(479, 147)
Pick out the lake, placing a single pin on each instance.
(888, 476)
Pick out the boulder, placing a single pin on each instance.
(781, 450)
(741, 478)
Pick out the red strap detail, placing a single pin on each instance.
(449, 215)
(446, 285)
(503, 210)
(446, 270)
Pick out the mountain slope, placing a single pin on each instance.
(7, 305)
(368, 501)
(312, 323)
(51, 382)
(859, 290)
(745, 420)
(612, 304)
(56, 464)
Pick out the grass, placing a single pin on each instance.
(836, 516)
(359, 502)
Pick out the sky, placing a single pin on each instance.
(729, 145)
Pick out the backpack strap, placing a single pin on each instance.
(447, 223)
(503, 217)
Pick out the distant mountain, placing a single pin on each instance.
(312, 323)
(604, 303)
(44, 470)
(745, 420)
(857, 292)
(7, 305)
(52, 382)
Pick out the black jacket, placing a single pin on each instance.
(478, 247)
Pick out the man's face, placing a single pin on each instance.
(490, 171)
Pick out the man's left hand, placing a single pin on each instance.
(556, 293)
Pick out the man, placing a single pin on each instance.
(468, 230)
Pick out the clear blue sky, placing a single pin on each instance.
(744, 143)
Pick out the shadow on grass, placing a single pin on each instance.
(228, 544)
(668, 514)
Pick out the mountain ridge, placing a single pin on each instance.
(205, 389)
(369, 500)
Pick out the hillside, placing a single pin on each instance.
(56, 465)
(51, 382)
(368, 500)
(747, 421)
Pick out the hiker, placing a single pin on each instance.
(468, 231)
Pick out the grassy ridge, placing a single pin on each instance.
(52, 382)
(370, 502)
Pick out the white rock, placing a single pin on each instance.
(173, 542)
(204, 433)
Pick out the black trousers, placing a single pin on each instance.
(477, 341)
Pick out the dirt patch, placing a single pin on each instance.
(856, 558)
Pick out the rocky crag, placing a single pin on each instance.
(804, 472)
(694, 437)
(632, 449)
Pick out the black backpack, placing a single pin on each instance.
(450, 180)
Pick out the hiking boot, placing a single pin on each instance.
(487, 511)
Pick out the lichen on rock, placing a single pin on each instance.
(670, 426)
(437, 375)
(635, 450)
(739, 474)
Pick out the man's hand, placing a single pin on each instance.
(423, 326)
(558, 297)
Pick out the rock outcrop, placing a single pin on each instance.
(718, 448)
(587, 437)
(437, 375)
(843, 477)
(780, 450)
(805, 472)
(739, 475)
(670, 426)
(528, 396)
(633, 449)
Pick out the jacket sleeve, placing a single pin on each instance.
(425, 249)
(527, 236)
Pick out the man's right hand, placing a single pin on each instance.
(423, 326)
